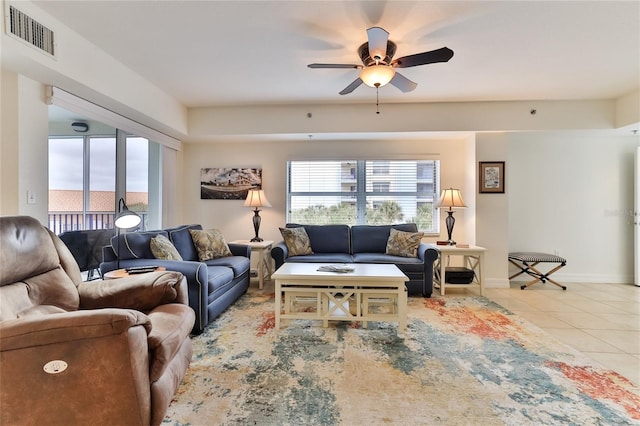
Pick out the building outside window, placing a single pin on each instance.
(83, 181)
(364, 192)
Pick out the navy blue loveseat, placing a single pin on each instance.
(363, 244)
(213, 285)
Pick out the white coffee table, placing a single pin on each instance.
(349, 296)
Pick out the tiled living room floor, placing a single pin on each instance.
(600, 320)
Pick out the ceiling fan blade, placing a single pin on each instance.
(350, 66)
(378, 38)
(439, 55)
(403, 83)
(353, 86)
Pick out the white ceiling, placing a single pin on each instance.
(211, 53)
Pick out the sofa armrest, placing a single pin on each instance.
(64, 327)
(428, 253)
(240, 249)
(279, 253)
(141, 292)
(108, 254)
(197, 276)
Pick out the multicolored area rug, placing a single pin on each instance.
(462, 361)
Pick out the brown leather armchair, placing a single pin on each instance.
(73, 352)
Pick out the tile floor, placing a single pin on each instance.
(599, 320)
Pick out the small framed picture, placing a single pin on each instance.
(491, 177)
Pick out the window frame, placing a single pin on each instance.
(364, 194)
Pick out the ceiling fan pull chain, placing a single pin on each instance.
(377, 101)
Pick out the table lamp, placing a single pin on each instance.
(126, 219)
(451, 198)
(256, 199)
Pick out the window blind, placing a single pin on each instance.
(370, 192)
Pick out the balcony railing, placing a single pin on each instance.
(77, 221)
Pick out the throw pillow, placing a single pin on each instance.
(405, 244)
(162, 248)
(210, 244)
(297, 241)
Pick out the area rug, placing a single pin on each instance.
(462, 361)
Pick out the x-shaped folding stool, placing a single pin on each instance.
(527, 262)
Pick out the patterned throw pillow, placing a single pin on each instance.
(209, 244)
(297, 241)
(403, 244)
(162, 248)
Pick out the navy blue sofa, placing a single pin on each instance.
(213, 285)
(363, 244)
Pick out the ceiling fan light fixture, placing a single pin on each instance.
(377, 75)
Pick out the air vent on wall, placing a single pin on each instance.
(30, 30)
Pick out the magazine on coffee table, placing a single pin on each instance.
(342, 269)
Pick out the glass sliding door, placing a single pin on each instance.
(137, 177)
(101, 173)
(83, 181)
(66, 180)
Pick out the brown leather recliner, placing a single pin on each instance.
(73, 352)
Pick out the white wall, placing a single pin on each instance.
(235, 220)
(33, 141)
(90, 73)
(9, 144)
(24, 140)
(492, 212)
(572, 194)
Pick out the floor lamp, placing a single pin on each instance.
(256, 199)
(125, 219)
(451, 198)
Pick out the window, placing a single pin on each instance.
(83, 181)
(364, 192)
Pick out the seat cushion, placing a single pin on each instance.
(373, 238)
(297, 241)
(162, 248)
(218, 277)
(238, 264)
(210, 244)
(170, 326)
(403, 243)
(135, 245)
(322, 258)
(181, 239)
(327, 238)
(403, 263)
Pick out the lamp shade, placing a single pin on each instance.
(126, 218)
(450, 198)
(256, 198)
(377, 75)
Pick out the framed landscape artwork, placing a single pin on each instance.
(221, 183)
(491, 177)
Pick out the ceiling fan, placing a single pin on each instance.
(378, 67)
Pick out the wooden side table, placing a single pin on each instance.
(473, 258)
(263, 248)
(121, 273)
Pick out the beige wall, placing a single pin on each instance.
(571, 193)
(235, 220)
(24, 140)
(566, 191)
(540, 165)
(9, 143)
(492, 218)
